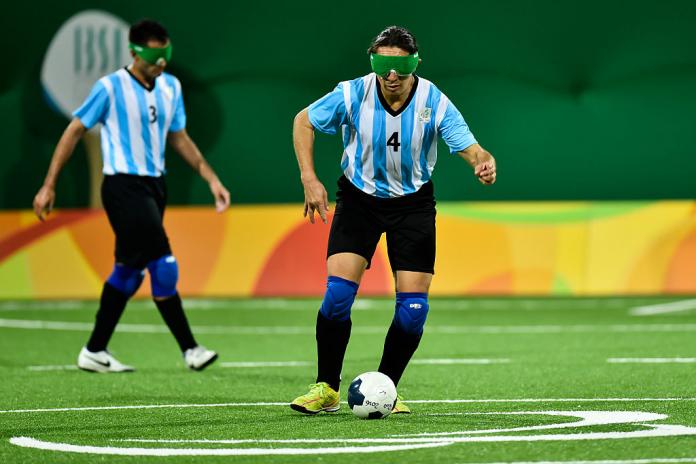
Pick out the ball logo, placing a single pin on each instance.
(87, 46)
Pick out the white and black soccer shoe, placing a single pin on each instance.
(199, 357)
(101, 361)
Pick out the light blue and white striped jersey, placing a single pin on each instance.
(387, 153)
(135, 121)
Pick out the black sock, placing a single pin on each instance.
(399, 346)
(173, 314)
(111, 306)
(332, 341)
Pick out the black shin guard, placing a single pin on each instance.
(172, 312)
(332, 341)
(399, 346)
(111, 306)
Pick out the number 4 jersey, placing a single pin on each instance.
(389, 153)
(135, 121)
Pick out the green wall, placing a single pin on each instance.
(576, 99)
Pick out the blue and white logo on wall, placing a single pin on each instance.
(87, 46)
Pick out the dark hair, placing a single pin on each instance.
(145, 30)
(394, 36)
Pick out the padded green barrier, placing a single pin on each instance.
(587, 100)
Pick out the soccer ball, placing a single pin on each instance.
(371, 395)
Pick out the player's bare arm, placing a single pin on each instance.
(46, 196)
(482, 162)
(185, 146)
(316, 198)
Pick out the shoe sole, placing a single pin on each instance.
(304, 410)
(97, 371)
(205, 364)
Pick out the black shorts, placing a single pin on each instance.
(409, 222)
(135, 207)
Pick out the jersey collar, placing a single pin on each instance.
(384, 103)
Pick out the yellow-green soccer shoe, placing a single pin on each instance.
(400, 407)
(321, 397)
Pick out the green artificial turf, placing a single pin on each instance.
(549, 349)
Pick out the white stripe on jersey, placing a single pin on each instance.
(419, 100)
(155, 143)
(393, 159)
(367, 111)
(111, 132)
(439, 115)
(137, 144)
(350, 168)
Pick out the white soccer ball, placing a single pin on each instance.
(372, 395)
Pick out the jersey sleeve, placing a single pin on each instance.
(95, 107)
(454, 130)
(329, 113)
(179, 116)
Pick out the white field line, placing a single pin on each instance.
(261, 364)
(651, 360)
(309, 330)
(243, 364)
(664, 308)
(585, 419)
(28, 442)
(52, 368)
(447, 361)
(285, 403)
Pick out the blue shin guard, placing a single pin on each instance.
(164, 274)
(126, 279)
(338, 299)
(411, 312)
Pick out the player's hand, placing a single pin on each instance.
(486, 172)
(43, 202)
(316, 199)
(221, 195)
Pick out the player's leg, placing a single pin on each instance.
(411, 248)
(345, 271)
(124, 281)
(164, 276)
(406, 329)
(352, 241)
(332, 333)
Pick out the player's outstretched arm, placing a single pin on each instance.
(46, 196)
(316, 198)
(184, 145)
(482, 162)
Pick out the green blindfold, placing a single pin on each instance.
(403, 65)
(155, 55)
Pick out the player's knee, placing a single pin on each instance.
(338, 299)
(164, 274)
(411, 312)
(126, 279)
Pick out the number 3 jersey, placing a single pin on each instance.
(135, 121)
(389, 153)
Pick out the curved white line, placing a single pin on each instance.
(28, 442)
(587, 419)
(652, 431)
